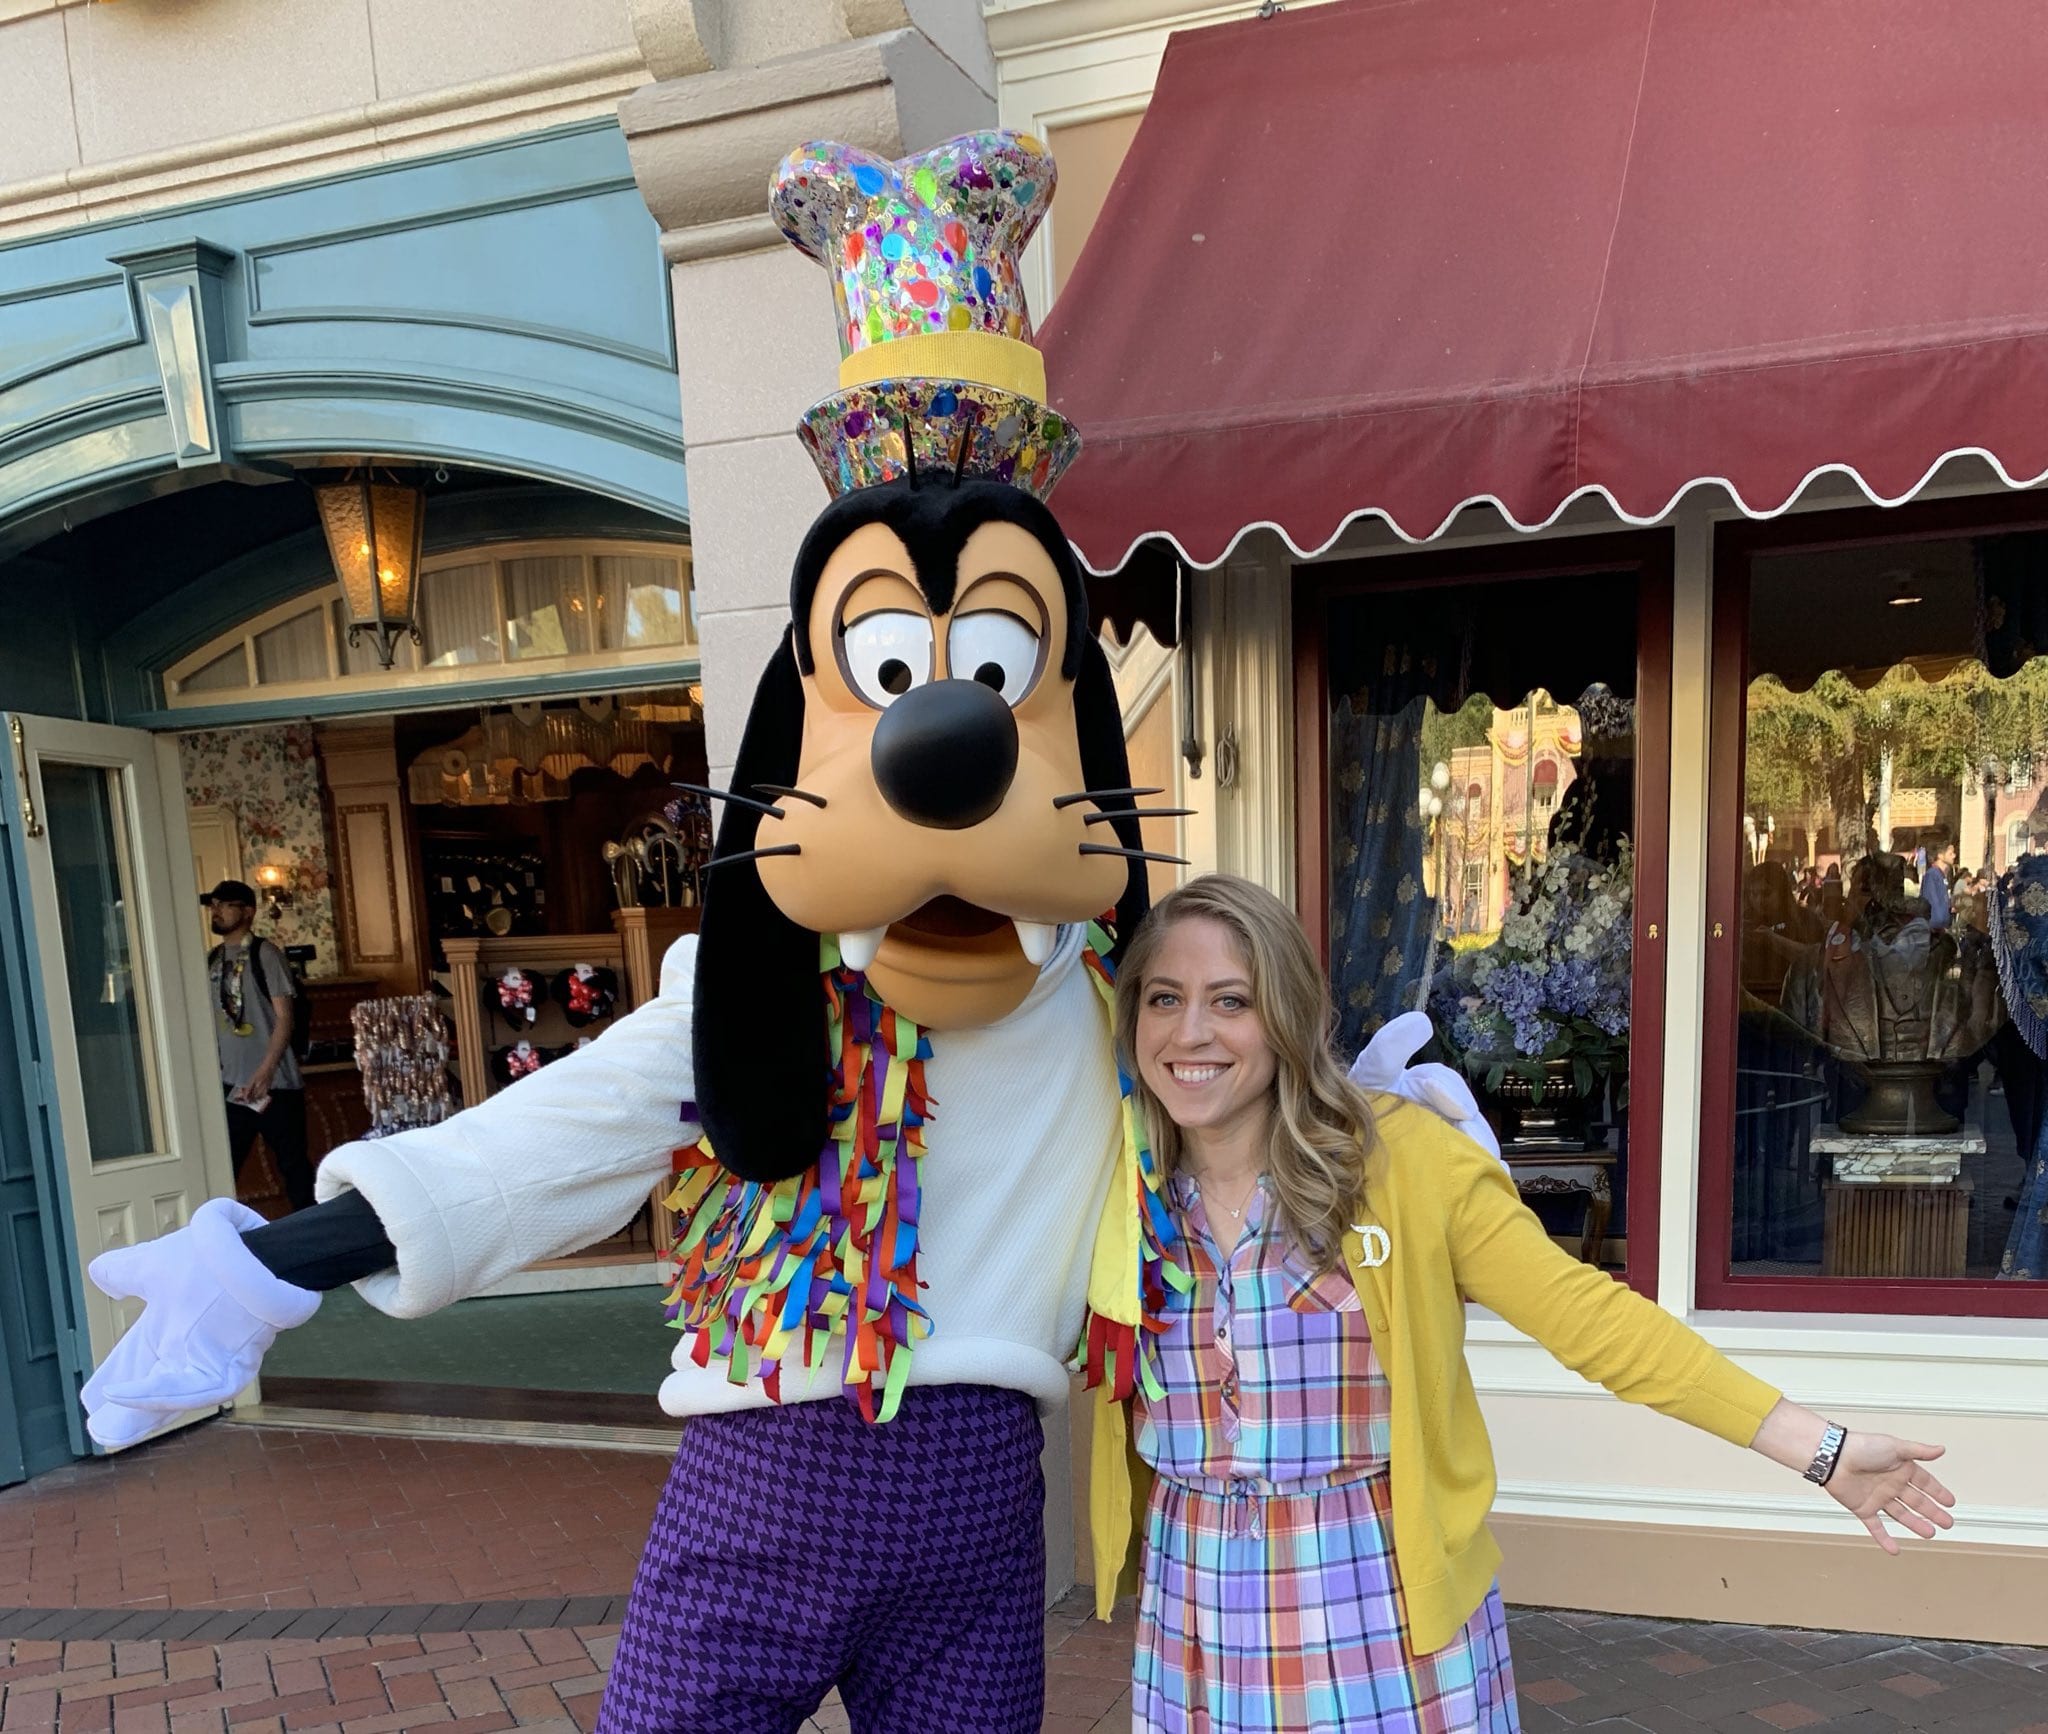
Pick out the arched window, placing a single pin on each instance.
(525, 607)
(1544, 788)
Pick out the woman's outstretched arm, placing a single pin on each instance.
(1504, 1260)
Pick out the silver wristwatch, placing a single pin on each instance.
(1821, 1470)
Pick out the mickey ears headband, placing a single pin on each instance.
(938, 373)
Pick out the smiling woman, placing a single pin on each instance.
(1315, 1545)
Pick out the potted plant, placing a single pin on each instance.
(1539, 1017)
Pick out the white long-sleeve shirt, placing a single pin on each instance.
(1024, 1135)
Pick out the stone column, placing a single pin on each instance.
(741, 82)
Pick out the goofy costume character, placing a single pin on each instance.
(907, 1179)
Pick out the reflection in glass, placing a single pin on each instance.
(546, 611)
(96, 920)
(639, 601)
(1888, 1114)
(1482, 863)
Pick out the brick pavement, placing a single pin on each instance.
(262, 1532)
(222, 1516)
(1628, 1676)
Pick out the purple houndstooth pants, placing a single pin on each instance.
(800, 1548)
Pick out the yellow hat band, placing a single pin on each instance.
(984, 357)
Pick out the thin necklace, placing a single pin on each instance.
(1234, 1215)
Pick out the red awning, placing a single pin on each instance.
(1390, 259)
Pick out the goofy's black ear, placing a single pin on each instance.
(1106, 765)
(759, 1036)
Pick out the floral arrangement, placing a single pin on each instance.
(1554, 986)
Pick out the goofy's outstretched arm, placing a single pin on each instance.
(417, 1220)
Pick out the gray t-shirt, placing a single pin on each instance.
(235, 984)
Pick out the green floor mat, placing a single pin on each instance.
(596, 1340)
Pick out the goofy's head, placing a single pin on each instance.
(933, 770)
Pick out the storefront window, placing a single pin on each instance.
(1482, 758)
(1891, 1007)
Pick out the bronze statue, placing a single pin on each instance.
(1896, 999)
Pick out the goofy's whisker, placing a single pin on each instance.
(757, 854)
(728, 795)
(1129, 854)
(1103, 795)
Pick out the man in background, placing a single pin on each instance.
(1934, 881)
(252, 992)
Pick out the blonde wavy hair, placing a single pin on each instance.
(1322, 1137)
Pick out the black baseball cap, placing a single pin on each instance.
(231, 891)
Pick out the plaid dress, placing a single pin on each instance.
(1271, 1601)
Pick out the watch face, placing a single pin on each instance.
(498, 920)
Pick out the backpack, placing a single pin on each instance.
(302, 1023)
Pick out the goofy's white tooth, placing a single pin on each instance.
(857, 950)
(1036, 937)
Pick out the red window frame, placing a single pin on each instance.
(1736, 545)
(1646, 554)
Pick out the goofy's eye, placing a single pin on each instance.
(887, 654)
(995, 648)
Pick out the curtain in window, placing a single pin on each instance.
(1381, 918)
(1389, 652)
(545, 608)
(459, 616)
(293, 650)
(227, 672)
(639, 601)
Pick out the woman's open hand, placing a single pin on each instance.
(1876, 1476)
(1879, 1477)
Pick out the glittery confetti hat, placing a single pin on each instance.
(938, 372)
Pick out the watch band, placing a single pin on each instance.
(1821, 1470)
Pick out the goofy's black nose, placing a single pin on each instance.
(945, 753)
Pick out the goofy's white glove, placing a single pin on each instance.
(210, 1311)
(1384, 1066)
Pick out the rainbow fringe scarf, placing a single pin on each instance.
(1136, 1277)
(764, 1271)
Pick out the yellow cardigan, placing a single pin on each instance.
(1455, 1229)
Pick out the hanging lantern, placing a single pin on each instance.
(374, 520)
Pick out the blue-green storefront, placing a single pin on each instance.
(499, 321)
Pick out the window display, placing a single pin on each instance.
(1893, 860)
(1482, 755)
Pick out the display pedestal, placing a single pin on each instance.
(1910, 1229)
(1897, 1206)
(1897, 1159)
